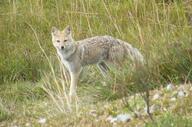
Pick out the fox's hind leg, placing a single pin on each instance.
(103, 68)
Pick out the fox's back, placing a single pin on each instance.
(97, 41)
(96, 49)
(107, 48)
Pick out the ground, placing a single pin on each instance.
(22, 104)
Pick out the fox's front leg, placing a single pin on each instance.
(73, 86)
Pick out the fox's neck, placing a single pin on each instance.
(65, 55)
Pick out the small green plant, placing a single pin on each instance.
(4, 113)
(171, 120)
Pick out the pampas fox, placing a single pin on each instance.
(95, 50)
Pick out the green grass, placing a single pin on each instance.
(171, 120)
(4, 113)
(160, 29)
(15, 110)
(153, 27)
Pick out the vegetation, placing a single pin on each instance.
(32, 83)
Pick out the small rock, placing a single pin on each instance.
(170, 87)
(45, 103)
(111, 119)
(97, 120)
(42, 120)
(15, 126)
(137, 114)
(93, 113)
(156, 96)
(27, 124)
(119, 118)
(164, 109)
(190, 89)
(173, 99)
(181, 94)
(152, 108)
(123, 117)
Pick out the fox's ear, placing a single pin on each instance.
(67, 30)
(54, 30)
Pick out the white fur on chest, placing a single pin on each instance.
(66, 63)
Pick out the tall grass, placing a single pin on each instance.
(160, 29)
(56, 87)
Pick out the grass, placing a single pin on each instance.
(161, 29)
(171, 120)
(92, 112)
(4, 113)
(153, 27)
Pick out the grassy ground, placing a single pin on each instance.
(161, 29)
(24, 104)
(157, 28)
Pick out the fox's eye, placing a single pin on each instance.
(58, 41)
(65, 40)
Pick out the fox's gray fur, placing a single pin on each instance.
(96, 50)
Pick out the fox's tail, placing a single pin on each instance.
(121, 50)
(135, 54)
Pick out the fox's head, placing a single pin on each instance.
(62, 39)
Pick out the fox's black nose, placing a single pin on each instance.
(62, 47)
